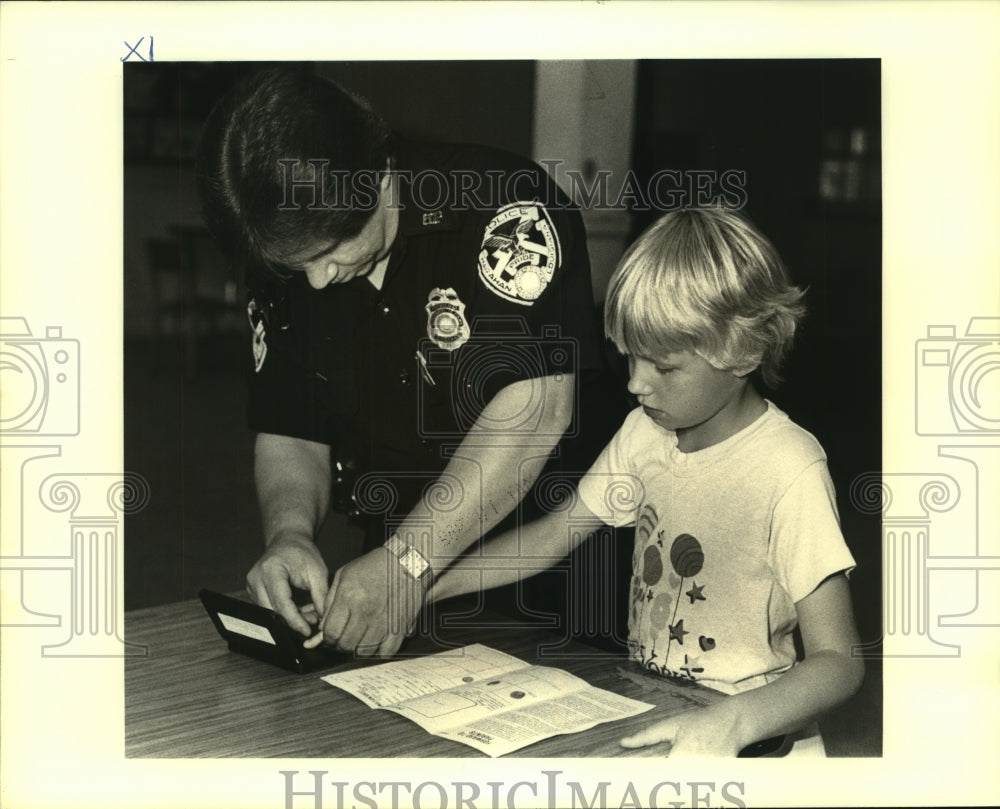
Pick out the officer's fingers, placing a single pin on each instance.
(337, 627)
(256, 589)
(371, 641)
(318, 592)
(279, 592)
(310, 613)
(316, 620)
(321, 616)
(350, 640)
(331, 594)
(390, 645)
(663, 731)
(400, 624)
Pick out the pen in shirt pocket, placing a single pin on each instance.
(424, 370)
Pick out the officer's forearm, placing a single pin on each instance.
(492, 469)
(293, 486)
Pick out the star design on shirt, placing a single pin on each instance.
(677, 632)
(695, 593)
(691, 667)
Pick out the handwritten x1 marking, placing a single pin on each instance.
(133, 50)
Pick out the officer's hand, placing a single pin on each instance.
(371, 606)
(290, 562)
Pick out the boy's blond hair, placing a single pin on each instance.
(705, 280)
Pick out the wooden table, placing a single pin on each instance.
(191, 697)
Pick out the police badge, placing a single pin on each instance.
(446, 324)
(520, 252)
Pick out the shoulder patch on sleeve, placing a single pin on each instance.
(520, 252)
(258, 330)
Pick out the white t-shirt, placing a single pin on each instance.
(727, 540)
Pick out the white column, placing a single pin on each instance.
(95, 504)
(984, 563)
(18, 557)
(906, 501)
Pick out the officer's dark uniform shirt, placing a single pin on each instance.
(488, 283)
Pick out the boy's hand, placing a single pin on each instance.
(704, 732)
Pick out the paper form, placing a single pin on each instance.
(484, 698)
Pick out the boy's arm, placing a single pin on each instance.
(828, 676)
(517, 554)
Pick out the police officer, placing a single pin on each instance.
(425, 310)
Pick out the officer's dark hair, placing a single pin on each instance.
(253, 166)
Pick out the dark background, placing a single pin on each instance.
(786, 123)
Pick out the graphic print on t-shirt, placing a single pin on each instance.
(665, 572)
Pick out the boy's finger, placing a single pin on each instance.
(313, 642)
